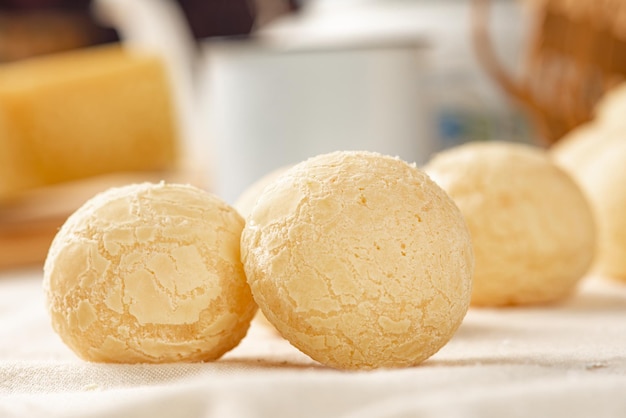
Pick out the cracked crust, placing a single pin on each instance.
(149, 273)
(531, 225)
(359, 260)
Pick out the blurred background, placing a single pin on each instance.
(218, 93)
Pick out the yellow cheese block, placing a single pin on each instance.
(83, 113)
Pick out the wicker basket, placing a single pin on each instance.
(576, 52)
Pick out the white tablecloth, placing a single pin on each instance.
(567, 360)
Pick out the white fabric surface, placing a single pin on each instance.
(566, 360)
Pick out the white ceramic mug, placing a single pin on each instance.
(268, 107)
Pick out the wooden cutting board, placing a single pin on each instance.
(29, 222)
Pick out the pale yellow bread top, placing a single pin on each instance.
(359, 260)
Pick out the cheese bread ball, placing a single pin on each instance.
(359, 260)
(149, 273)
(531, 226)
(603, 180)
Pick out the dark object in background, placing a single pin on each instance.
(36, 27)
(211, 18)
(221, 18)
